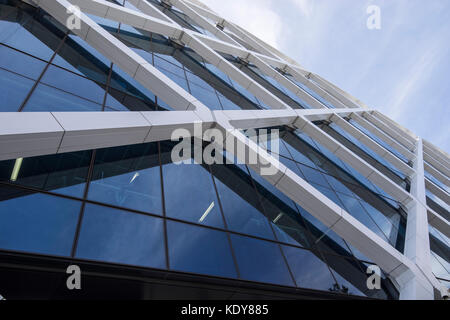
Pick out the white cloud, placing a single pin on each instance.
(258, 17)
(419, 74)
(306, 7)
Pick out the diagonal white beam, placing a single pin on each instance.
(381, 151)
(389, 130)
(204, 23)
(437, 191)
(332, 91)
(436, 164)
(300, 77)
(334, 217)
(436, 153)
(269, 71)
(408, 135)
(437, 174)
(365, 169)
(383, 136)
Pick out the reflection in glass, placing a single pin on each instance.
(260, 261)
(61, 173)
(20, 63)
(199, 250)
(13, 90)
(45, 98)
(190, 194)
(37, 223)
(240, 203)
(128, 177)
(308, 269)
(118, 236)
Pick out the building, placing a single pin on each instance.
(89, 104)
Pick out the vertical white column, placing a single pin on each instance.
(417, 244)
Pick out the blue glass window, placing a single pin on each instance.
(20, 63)
(190, 194)
(199, 250)
(128, 177)
(74, 84)
(122, 237)
(35, 222)
(260, 261)
(62, 173)
(241, 208)
(45, 98)
(18, 34)
(309, 269)
(349, 276)
(13, 90)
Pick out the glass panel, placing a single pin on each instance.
(123, 237)
(63, 173)
(18, 62)
(207, 97)
(128, 177)
(45, 98)
(240, 203)
(260, 261)
(13, 90)
(18, 29)
(35, 222)
(199, 250)
(72, 83)
(79, 57)
(350, 277)
(286, 220)
(308, 269)
(190, 194)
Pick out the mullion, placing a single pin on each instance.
(27, 98)
(83, 204)
(166, 240)
(108, 82)
(271, 227)
(146, 213)
(233, 254)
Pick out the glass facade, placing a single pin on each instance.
(44, 67)
(132, 206)
(342, 184)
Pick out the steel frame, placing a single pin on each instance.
(32, 134)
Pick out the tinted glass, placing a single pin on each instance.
(199, 250)
(123, 237)
(35, 222)
(309, 270)
(260, 261)
(63, 173)
(128, 177)
(190, 194)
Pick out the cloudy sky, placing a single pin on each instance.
(403, 69)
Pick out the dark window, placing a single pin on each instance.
(62, 173)
(128, 177)
(199, 250)
(261, 261)
(37, 223)
(123, 237)
(309, 269)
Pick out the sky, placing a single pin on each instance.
(401, 69)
